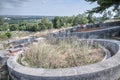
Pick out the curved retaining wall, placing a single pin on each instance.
(94, 34)
(105, 70)
(107, 32)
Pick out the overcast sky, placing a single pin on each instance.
(44, 7)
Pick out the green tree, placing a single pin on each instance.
(32, 27)
(104, 4)
(45, 24)
(81, 19)
(71, 20)
(90, 18)
(49, 25)
(24, 23)
(56, 22)
(14, 27)
(85, 21)
(63, 21)
(22, 28)
(42, 26)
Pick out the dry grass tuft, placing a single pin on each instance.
(63, 53)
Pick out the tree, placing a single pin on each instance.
(105, 16)
(42, 26)
(32, 27)
(103, 5)
(22, 28)
(90, 18)
(71, 20)
(49, 25)
(45, 24)
(85, 21)
(56, 22)
(14, 27)
(81, 19)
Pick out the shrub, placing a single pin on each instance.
(8, 34)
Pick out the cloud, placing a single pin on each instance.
(11, 3)
(51, 1)
(5, 4)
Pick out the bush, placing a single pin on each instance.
(8, 34)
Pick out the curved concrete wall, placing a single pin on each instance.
(107, 32)
(105, 70)
(94, 34)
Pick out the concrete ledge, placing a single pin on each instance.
(101, 33)
(94, 34)
(107, 53)
(105, 70)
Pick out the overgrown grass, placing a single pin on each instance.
(63, 53)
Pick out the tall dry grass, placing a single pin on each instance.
(62, 53)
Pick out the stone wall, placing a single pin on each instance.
(102, 33)
(105, 70)
(110, 29)
(94, 34)
(107, 24)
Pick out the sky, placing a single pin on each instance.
(44, 7)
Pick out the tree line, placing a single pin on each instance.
(56, 23)
(45, 23)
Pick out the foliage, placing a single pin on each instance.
(5, 35)
(56, 22)
(105, 16)
(65, 21)
(81, 19)
(90, 18)
(45, 23)
(14, 27)
(103, 5)
(8, 34)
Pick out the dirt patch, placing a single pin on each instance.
(85, 30)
